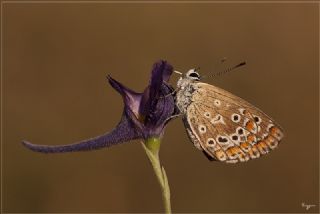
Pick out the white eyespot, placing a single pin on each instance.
(240, 131)
(242, 111)
(257, 119)
(279, 135)
(217, 102)
(217, 119)
(235, 118)
(207, 114)
(211, 142)
(273, 144)
(235, 138)
(222, 139)
(202, 129)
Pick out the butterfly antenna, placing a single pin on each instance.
(228, 69)
(216, 66)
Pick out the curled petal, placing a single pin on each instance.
(161, 113)
(160, 74)
(165, 68)
(122, 133)
(131, 99)
(158, 104)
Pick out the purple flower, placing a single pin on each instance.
(144, 116)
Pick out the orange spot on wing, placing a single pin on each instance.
(255, 152)
(250, 125)
(269, 139)
(245, 146)
(262, 147)
(242, 156)
(231, 153)
(271, 142)
(250, 138)
(220, 155)
(274, 130)
(236, 150)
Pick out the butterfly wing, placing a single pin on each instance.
(227, 128)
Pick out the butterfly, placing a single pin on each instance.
(223, 126)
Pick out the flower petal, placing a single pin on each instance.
(161, 72)
(163, 109)
(122, 133)
(131, 99)
(157, 104)
(161, 69)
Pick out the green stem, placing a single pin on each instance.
(151, 147)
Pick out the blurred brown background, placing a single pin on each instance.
(55, 60)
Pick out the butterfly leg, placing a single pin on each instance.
(168, 95)
(173, 117)
(173, 93)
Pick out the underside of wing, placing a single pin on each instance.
(229, 129)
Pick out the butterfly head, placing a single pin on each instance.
(192, 74)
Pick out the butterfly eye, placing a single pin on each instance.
(194, 75)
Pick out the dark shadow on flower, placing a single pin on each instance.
(145, 114)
